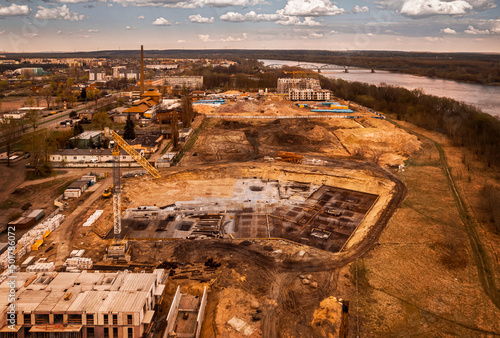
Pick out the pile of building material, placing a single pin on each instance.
(77, 253)
(78, 263)
(24, 244)
(41, 267)
(241, 326)
(93, 218)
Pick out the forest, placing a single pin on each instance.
(464, 124)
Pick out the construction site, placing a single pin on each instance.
(259, 218)
(256, 231)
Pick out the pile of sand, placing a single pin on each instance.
(327, 318)
(380, 141)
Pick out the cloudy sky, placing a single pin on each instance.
(410, 25)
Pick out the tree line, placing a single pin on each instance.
(464, 124)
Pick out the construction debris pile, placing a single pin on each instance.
(38, 233)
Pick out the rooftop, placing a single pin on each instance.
(90, 292)
(87, 135)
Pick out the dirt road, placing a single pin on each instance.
(63, 235)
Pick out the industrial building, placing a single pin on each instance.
(69, 304)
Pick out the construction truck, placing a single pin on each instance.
(108, 192)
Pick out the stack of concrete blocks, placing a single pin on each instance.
(78, 263)
(77, 253)
(24, 244)
(93, 218)
(41, 267)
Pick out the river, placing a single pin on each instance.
(487, 98)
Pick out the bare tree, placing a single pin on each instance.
(187, 110)
(39, 145)
(10, 131)
(47, 93)
(101, 119)
(32, 118)
(175, 128)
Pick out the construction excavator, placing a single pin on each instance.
(119, 248)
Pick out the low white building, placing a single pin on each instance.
(87, 156)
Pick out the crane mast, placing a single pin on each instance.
(117, 221)
(119, 142)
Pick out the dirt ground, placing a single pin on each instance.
(417, 276)
(238, 140)
(422, 279)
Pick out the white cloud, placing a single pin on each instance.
(334, 32)
(204, 38)
(495, 26)
(181, 41)
(161, 22)
(30, 35)
(14, 10)
(423, 8)
(130, 28)
(358, 9)
(199, 19)
(189, 3)
(72, 1)
(93, 31)
(432, 39)
(474, 31)
(295, 21)
(250, 16)
(58, 13)
(311, 8)
(448, 31)
(278, 17)
(140, 17)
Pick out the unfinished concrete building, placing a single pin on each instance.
(185, 317)
(286, 84)
(67, 304)
(309, 94)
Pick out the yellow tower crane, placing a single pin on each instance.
(119, 142)
(293, 72)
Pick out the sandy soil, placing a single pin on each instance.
(423, 271)
(247, 139)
